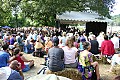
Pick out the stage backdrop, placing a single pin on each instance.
(96, 27)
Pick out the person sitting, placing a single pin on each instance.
(12, 39)
(11, 50)
(39, 48)
(115, 60)
(4, 56)
(12, 72)
(48, 44)
(27, 47)
(82, 40)
(1, 42)
(107, 47)
(70, 54)
(32, 49)
(86, 64)
(19, 41)
(55, 57)
(20, 58)
(63, 39)
(94, 46)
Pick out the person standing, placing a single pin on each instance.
(100, 38)
(115, 41)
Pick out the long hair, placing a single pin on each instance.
(86, 45)
(70, 41)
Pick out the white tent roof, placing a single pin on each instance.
(77, 17)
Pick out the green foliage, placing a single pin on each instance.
(116, 20)
(43, 12)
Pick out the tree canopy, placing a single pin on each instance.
(43, 12)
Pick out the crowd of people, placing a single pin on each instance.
(65, 49)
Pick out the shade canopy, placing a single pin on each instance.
(77, 17)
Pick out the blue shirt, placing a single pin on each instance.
(56, 59)
(34, 36)
(12, 41)
(14, 76)
(81, 46)
(4, 58)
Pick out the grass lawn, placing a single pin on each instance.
(103, 69)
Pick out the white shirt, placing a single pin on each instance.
(115, 59)
(100, 39)
(5, 73)
(69, 54)
(63, 39)
(115, 41)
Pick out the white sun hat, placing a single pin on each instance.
(48, 77)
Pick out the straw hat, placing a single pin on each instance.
(48, 77)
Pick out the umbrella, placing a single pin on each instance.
(6, 27)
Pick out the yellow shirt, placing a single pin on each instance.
(49, 44)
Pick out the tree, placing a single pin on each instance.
(5, 12)
(43, 12)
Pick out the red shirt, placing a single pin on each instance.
(107, 48)
(18, 58)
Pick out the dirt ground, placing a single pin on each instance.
(103, 69)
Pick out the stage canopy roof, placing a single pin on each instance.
(77, 17)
